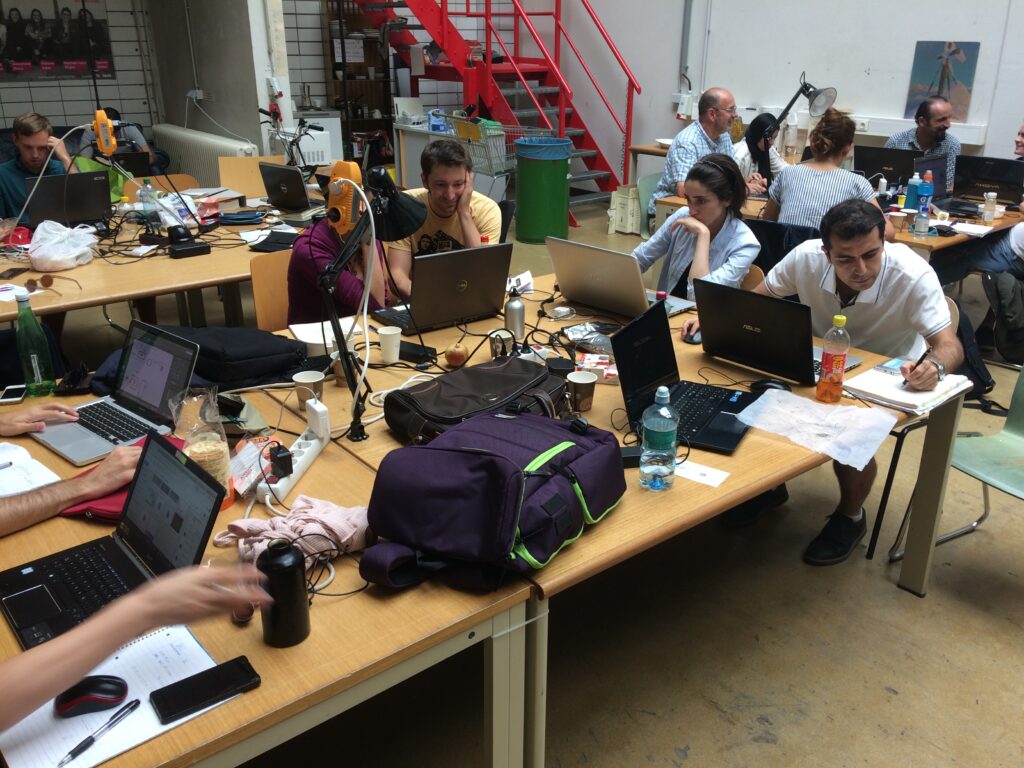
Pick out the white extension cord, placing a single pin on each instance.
(304, 450)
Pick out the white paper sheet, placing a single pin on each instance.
(849, 434)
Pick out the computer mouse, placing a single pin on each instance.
(762, 385)
(692, 338)
(91, 694)
(178, 234)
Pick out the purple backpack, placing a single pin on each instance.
(497, 492)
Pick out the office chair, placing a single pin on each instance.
(270, 289)
(777, 240)
(508, 211)
(645, 189)
(995, 460)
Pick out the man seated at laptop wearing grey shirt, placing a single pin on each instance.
(23, 510)
(894, 306)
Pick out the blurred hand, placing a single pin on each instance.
(922, 377)
(756, 184)
(189, 594)
(467, 195)
(61, 152)
(34, 418)
(691, 225)
(114, 472)
(690, 326)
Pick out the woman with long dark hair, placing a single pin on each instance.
(755, 153)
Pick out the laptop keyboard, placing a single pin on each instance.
(397, 317)
(696, 405)
(111, 423)
(84, 581)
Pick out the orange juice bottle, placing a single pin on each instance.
(833, 361)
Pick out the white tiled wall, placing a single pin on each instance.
(303, 25)
(73, 102)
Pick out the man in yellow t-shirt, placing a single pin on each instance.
(457, 216)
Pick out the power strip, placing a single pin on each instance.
(305, 449)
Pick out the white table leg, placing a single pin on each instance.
(536, 680)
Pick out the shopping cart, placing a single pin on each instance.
(491, 145)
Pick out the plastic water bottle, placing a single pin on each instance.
(924, 200)
(988, 213)
(913, 189)
(33, 349)
(833, 361)
(658, 459)
(150, 210)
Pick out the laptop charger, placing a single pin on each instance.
(184, 250)
(416, 353)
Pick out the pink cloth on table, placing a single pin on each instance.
(344, 527)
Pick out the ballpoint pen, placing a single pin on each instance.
(920, 360)
(6, 464)
(117, 717)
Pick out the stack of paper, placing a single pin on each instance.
(883, 384)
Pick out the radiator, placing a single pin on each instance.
(196, 152)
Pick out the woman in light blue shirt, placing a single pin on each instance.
(706, 239)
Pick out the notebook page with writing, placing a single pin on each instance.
(883, 384)
(24, 474)
(151, 662)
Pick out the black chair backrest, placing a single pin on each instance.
(508, 210)
(777, 240)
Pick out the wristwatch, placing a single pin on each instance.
(938, 367)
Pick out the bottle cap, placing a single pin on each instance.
(514, 293)
(660, 295)
(839, 321)
(661, 396)
(928, 176)
(20, 293)
(916, 176)
(484, 239)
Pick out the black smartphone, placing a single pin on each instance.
(7, 274)
(203, 689)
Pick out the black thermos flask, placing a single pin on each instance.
(286, 620)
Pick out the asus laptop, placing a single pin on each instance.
(646, 360)
(604, 279)
(286, 191)
(155, 366)
(977, 175)
(896, 165)
(761, 332)
(452, 287)
(69, 199)
(168, 515)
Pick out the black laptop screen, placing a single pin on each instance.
(897, 165)
(645, 359)
(977, 175)
(170, 510)
(69, 199)
(155, 366)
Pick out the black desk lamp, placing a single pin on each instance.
(394, 216)
(820, 99)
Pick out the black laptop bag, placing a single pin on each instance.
(422, 412)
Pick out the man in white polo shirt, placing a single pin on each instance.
(894, 306)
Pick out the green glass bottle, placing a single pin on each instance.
(33, 350)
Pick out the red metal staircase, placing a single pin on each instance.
(513, 88)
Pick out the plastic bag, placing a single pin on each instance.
(591, 337)
(55, 247)
(197, 421)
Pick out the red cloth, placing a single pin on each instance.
(111, 506)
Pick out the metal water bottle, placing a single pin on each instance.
(515, 314)
(286, 620)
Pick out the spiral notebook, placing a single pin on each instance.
(153, 661)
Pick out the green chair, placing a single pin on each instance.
(996, 460)
(645, 189)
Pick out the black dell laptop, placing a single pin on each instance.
(646, 359)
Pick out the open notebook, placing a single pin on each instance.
(883, 384)
(153, 661)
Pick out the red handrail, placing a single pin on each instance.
(519, 73)
(615, 51)
(543, 48)
(559, 31)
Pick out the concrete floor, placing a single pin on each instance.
(721, 648)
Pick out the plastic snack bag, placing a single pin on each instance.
(197, 422)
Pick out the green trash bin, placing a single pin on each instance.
(542, 188)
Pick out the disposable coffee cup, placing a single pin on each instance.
(898, 219)
(501, 343)
(581, 390)
(390, 338)
(308, 384)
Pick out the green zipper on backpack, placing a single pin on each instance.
(533, 466)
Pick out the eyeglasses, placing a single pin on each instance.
(731, 110)
(45, 283)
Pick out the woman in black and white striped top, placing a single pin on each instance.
(803, 193)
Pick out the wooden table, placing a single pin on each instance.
(359, 645)
(103, 282)
(652, 150)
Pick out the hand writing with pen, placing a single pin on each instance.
(922, 375)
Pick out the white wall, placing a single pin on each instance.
(758, 50)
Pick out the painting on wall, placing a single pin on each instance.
(51, 40)
(943, 68)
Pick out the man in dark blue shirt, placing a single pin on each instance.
(33, 137)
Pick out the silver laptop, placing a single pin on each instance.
(286, 191)
(604, 279)
(155, 366)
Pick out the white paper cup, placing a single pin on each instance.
(390, 338)
(308, 384)
(581, 390)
